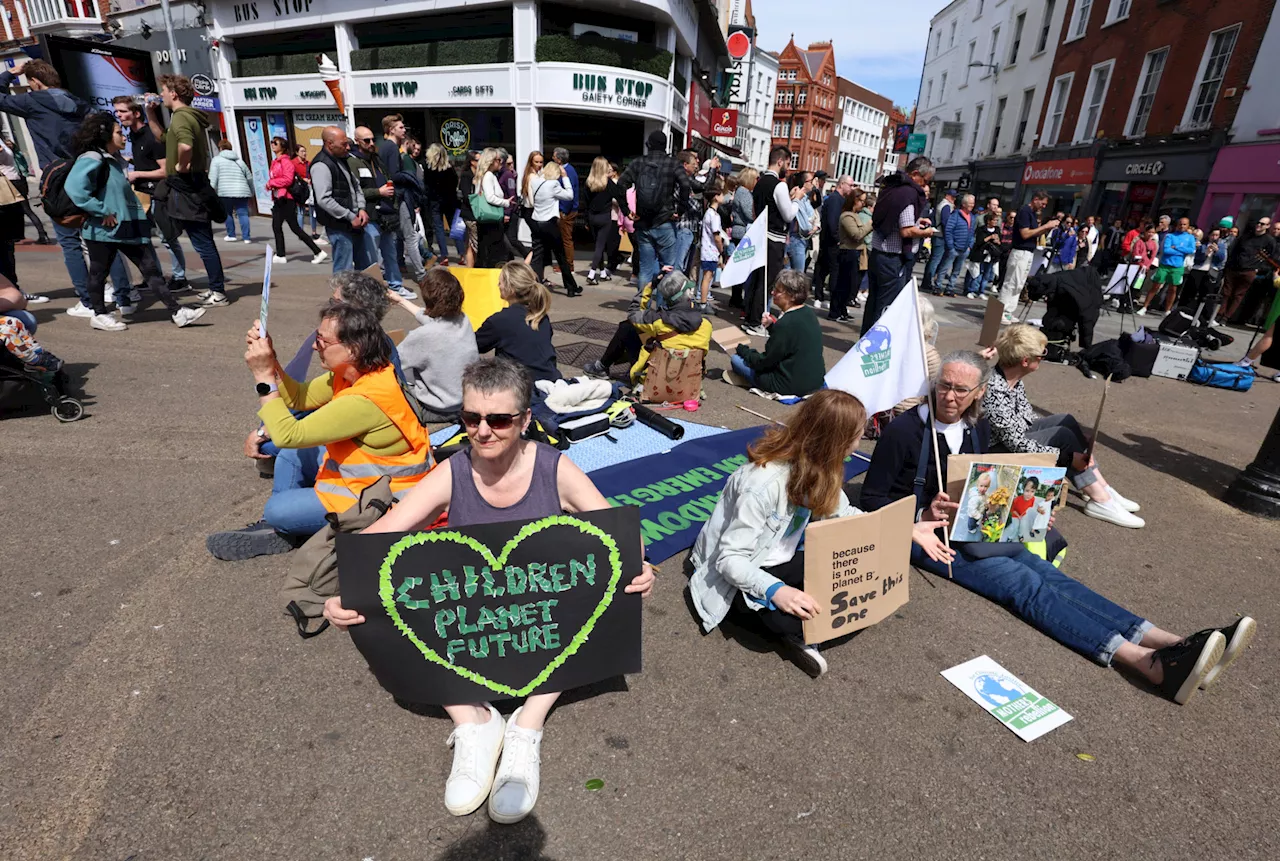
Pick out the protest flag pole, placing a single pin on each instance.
(931, 404)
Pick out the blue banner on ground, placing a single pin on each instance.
(677, 491)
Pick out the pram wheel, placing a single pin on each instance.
(67, 410)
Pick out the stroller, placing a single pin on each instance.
(17, 384)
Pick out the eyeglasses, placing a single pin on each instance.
(961, 391)
(364, 140)
(324, 343)
(497, 421)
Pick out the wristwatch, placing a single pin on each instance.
(265, 389)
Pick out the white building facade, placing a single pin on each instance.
(755, 122)
(862, 117)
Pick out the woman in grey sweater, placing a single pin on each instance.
(434, 355)
(743, 210)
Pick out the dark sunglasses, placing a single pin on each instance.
(364, 140)
(497, 421)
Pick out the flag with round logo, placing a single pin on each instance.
(749, 255)
(887, 364)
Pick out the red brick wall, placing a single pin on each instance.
(1182, 25)
(815, 113)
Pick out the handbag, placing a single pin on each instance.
(458, 228)
(672, 376)
(8, 192)
(486, 211)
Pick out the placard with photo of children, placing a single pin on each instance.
(1009, 503)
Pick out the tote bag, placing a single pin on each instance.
(484, 210)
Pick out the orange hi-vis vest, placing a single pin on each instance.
(347, 469)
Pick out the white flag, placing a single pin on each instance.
(750, 254)
(886, 366)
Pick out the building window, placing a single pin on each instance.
(1079, 19)
(1094, 96)
(795, 161)
(951, 40)
(1117, 11)
(978, 13)
(937, 44)
(991, 54)
(1024, 116)
(928, 93)
(995, 132)
(1018, 24)
(973, 138)
(942, 88)
(801, 95)
(786, 129)
(777, 129)
(1145, 95)
(799, 129)
(1057, 107)
(1213, 68)
(968, 66)
(1043, 41)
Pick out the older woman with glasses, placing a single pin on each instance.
(1015, 427)
(500, 477)
(1010, 574)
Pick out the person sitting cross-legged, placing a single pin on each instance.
(791, 363)
(435, 354)
(1010, 574)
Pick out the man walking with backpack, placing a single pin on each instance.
(52, 116)
(656, 177)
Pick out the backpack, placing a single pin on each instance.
(300, 190)
(1221, 376)
(649, 193)
(57, 203)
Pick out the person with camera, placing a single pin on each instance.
(1027, 230)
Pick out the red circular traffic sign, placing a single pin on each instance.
(738, 45)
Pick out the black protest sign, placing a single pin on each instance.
(498, 610)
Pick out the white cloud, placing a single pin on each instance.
(879, 45)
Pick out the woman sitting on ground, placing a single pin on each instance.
(434, 355)
(746, 558)
(521, 332)
(18, 333)
(1028, 586)
(664, 317)
(1015, 427)
(791, 363)
(499, 477)
(358, 412)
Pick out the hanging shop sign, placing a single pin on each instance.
(724, 122)
(455, 136)
(738, 78)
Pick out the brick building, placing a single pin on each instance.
(893, 161)
(804, 111)
(1141, 97)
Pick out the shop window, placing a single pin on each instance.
(292, 53)
(1178, 198)
(1145, 96)
(1213, 68)
(1256, 206)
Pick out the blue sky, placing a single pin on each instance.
(878, 45)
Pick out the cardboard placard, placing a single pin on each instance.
(728, 338)
(856, 569)
(991, 322)
(958, 468)
(497, 610)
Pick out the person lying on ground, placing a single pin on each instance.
(435, 354)
(499, 477)
(664, 317)
(792, 362)
(1011, 575)
(1015, 427)
(356, 410)
(18, 333)
(522, 331)
(747, 559)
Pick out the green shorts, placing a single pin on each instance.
(1168, 275)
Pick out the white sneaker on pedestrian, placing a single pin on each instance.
(127, 311)
(756, 331)
(319, 240)
(209, 299)
(1246, 362)
(186, 315)
(1141, 312)
(515, 787)
(476, 747)
(79, 310)
(403, 291)
(228, 239)
(321, 257)
(276, 258)
(247, 241)
(817, 304)
(1127, 504)
(1006, 319)
(35, 298)
(107, 323)
(1112, 512)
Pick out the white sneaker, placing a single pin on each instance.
(276, 258)
(321, 257)
(209, 299)
(1246, 362)
(808, 658)
(35, 298)
(1141, 312)
(515, 787)
(187, 315)
(319, 240)
(756, 331)
(79, 310)
(247, 241)
(1127, 504)
(1113, 512)
(228, 239)
(403, 291)
(817, 304)
(127, 310)
(476, 747)
(1006, 319)
(107, 323)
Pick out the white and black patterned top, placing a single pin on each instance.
(1010, 414)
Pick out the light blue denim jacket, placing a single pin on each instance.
(749, 521)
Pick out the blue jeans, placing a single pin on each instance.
(302, 211)
(950, 269)
(795, 253)
(201, 235)
(684, 241)
(350, 249)
(236, 207)
(1048, 600)
(740, 367)
(384, 245)
(294, 508)
(985, 277)
(656, 247)
(938, 250)
(433, 226)
(28, 320)
(73, 257)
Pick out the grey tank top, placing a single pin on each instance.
(468, 508)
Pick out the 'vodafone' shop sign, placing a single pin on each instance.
(1070, 171)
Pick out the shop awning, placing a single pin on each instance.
(707, 142)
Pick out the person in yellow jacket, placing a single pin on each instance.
(356, 410)
(665, 315)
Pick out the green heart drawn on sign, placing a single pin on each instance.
(386, 592)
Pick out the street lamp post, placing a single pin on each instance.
(1257, 488)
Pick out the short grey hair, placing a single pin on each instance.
(493, 375)
(363, 291)
(560, 154)
(673, 284)
(794, 284)
(843, 177)
(966, 197)
(972, 360)
(922, 166)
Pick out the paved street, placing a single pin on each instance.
(159, 707)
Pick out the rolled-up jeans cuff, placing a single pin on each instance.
(1081, 480)
(1108, 651)
(1139, 631)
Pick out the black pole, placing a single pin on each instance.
(1257, 488)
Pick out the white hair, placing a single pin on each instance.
(928, 318)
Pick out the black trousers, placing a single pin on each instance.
(780, 623)
(602, 226)
(887, 274)
(103, 254)
(548, 242)
(826, 266)
(490, 239)
(623, 346)
(848, 274)
(756, 301)
(8, 262)
(285, 211)
(511, 239)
